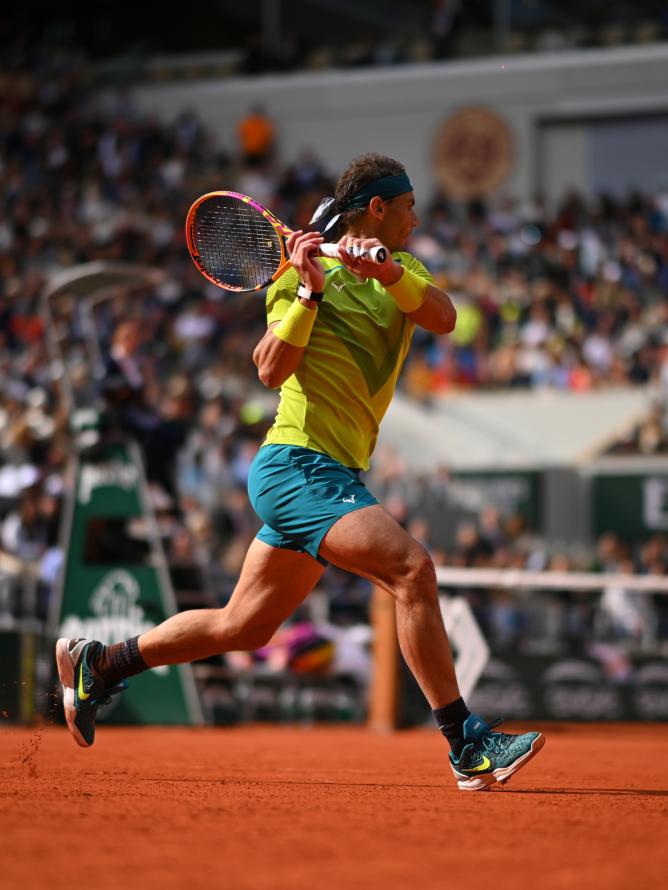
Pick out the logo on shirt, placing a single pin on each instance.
(350, 500)
(338, 287)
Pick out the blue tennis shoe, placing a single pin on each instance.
(84, 691)
(489, 757)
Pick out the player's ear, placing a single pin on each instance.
(377, 206)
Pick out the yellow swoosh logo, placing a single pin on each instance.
(84, 695)
(481, 766)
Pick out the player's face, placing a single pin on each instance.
(399, 220)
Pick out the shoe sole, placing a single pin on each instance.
(484, 783)
(66, 674)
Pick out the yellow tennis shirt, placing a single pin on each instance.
(336, 398)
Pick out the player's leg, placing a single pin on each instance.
(371, 543)
(273, 582)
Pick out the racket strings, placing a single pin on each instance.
(237, 245)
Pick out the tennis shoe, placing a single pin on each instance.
(84, 691)
(489, 757)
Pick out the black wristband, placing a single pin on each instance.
(305, 293)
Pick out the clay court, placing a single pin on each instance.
(328, 808)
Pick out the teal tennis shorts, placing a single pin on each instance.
(299, 494)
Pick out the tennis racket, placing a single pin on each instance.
(239, 245)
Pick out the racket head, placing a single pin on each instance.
(235, 242)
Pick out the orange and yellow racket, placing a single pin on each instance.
(239, 245)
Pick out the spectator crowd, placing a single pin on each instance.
(572, 297)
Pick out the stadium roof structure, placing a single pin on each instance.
(528, 429)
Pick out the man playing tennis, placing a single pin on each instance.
(338, 333)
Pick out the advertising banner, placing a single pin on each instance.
(574, 688)
(613, 686)
(631, 504)
(510, 491)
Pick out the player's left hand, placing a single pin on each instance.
(303, 251)
(353, 253)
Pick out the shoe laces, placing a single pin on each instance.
(105, 697)
(490, 740)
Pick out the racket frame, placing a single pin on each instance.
(280, 228)
(378, 254)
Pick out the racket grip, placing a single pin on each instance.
(377, 254)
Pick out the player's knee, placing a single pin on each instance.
(259, 636)
(247, 637)
(417, 581)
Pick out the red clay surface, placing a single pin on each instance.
(247, 809)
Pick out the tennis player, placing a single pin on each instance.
(338, 334)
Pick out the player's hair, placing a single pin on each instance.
(359, 172)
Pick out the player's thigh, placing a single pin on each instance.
(369, 542)
(272, 583)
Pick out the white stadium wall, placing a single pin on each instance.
(556, 106)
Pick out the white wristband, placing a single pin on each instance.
(305, 293)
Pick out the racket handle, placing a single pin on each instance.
(377, 254)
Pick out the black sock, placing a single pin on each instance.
(121, 660)
(450, 721)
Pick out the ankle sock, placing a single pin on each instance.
(450, 720)
(120, 660)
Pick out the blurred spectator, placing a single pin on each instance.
(443, 27)
(256, 136)
(129, 389)
(492, 533)
(25, 530)
(628, 612)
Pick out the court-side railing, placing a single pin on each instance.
(516, 579)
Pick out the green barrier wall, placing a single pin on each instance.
(115, 583)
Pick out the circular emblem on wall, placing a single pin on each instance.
(473, 153)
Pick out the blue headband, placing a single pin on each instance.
(326, 215)
(386, 187)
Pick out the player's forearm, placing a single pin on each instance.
(437, 313)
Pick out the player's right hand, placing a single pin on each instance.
(354, 254)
